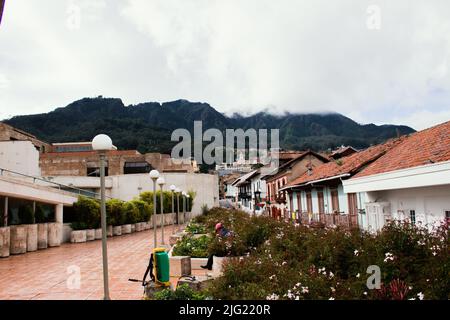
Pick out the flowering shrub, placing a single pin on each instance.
(183, 292)
(296, 262)
(247, 232)
(192, 246)
(195, 228)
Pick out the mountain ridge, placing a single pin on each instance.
(147, 126)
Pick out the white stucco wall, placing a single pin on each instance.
(19, 156)
(127, 187)
(429, 203)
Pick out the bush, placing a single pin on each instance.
(304, 263)
(87, 213)
(167, 200)
(196, 228)
(115, 212)
(193, 247)
(131, 213)
(183, 292)
(145, 210)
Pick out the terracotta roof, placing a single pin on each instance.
(424, 147)
(346, 165)
(281, 169)
(342, 150)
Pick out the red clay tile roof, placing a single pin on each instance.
(349, 164)
(424, 147)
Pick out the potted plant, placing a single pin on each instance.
(87, 213)
(131, 213)
(114, 209)
(78, 234)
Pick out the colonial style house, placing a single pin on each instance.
(276, 197)
(409, 182)
(244, 187)
(318, 195)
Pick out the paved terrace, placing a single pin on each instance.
(43, 275)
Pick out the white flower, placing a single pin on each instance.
(331, 298)
(273, 296)
(365, 293)
(356, 253)
(388, 257)
(358, 275)
(412, 299)
(272, 277)
(284, 263)
(420, 295)
(333, 289)
(305, 290)
(331, 275)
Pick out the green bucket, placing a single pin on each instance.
(162, 267)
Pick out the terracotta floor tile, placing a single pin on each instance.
(127, 258)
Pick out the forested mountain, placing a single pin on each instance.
(147, 127)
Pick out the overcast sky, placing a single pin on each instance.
(374, 61)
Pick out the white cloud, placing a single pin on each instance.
(244, 56)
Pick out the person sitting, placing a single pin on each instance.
(221, 231)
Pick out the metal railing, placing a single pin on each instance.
(60, 186)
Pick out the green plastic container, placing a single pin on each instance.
(162, 267)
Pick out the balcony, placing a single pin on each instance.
(327, 220)
(244, 195)
(280, 198)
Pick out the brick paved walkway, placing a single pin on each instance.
(43, 274)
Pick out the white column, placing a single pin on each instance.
(5, 217)
(59, 208)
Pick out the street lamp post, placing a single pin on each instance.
(188, 207)
(103, 143)
(154, 175)
(184, 206)
(177, 191)
(161, 183)
(173, 188)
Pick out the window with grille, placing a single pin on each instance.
(412, 216)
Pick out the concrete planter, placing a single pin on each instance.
(218, 263)
(117, 231)
(138, 227)
(98, 234)
(18, 239)
(32, 237)
(90, 235)
(54, 234)
(126, 229)
(133, 228)
(78, 236)
(5, 235)
(148, 225)
(42, 235)
(109, 231)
